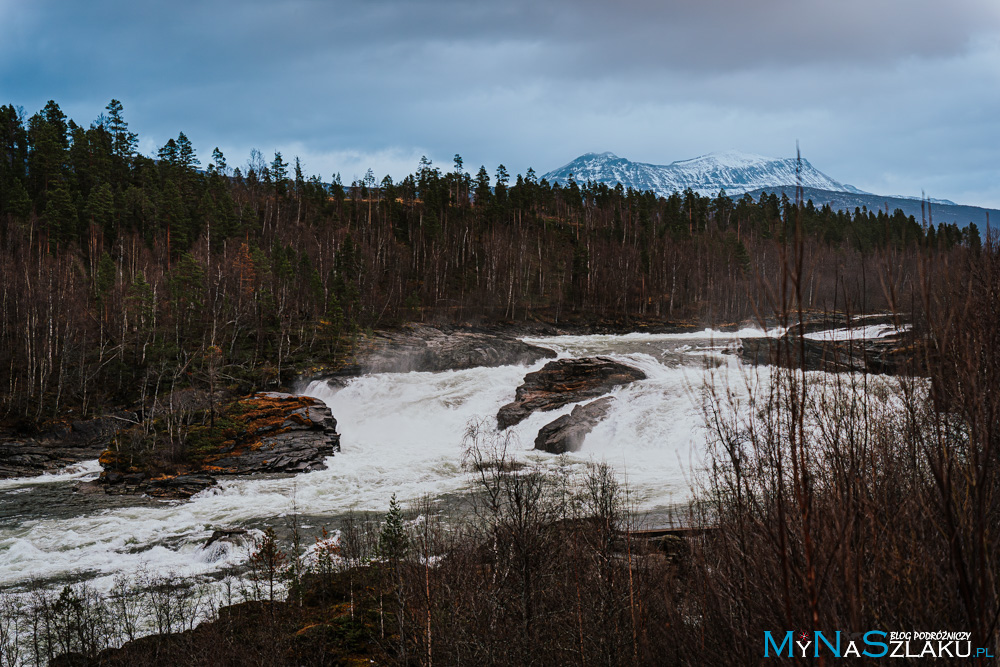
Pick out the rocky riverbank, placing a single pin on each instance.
(23, 455)
(872, 345)
(419, 347)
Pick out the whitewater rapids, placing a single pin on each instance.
(402, 433)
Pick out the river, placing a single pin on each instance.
(402, 433)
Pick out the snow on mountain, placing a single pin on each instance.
(733, 171)
(932, 200)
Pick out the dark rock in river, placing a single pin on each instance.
(235, 536)
(178, 486)
(565, 381)
(566, 433)
(417, 347)
(266, 433)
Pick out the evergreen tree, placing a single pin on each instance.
(168, 153)
(971, 238)
(18, 203)
(46, 151)
(13, 156)
(279, 172)
(55, 117)
(100, 209)
(60, 217)
(186, 157)
(501, 188)
(484, 194)
(173, 217)
(300, 179)
(393, 542)
(218, 162)
(104, 279)
(123, 142)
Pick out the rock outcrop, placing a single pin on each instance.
(266, 433)
(285, 433)
(565, 381)
(566, 433)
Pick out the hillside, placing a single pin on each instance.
(931, 211)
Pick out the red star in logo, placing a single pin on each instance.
(804, 636)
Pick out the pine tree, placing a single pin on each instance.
(104, 279)
(173, 217)
(279, 172)
(60, 217)
(168, 153)
(501, 188)
(123, 142)
(100, 208)
(393, 546)
(458, 178)
(46, 155)
(13, 157)
(483, 193)
(393, 542)
(218, 162)
(186, 157)
(18, 203)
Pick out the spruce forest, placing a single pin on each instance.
(125, 276)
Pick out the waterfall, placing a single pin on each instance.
(402, 433)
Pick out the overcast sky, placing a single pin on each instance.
(893, 96)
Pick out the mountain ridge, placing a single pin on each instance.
(735, 171)
(740, 173)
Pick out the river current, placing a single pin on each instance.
(402, 434)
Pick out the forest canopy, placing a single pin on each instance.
(126, 275)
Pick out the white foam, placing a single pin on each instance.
(870, 332)
(76, 471)
(573, 343)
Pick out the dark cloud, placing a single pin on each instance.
(871, 88)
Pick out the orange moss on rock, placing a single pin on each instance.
(229, 442)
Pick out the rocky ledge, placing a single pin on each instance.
(566, 433)
(565, 381)
(266, 433)
(418, 347)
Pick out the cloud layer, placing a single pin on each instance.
(894, 96)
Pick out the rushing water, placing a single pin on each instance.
(402, 433)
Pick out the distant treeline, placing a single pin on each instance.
(124, 275)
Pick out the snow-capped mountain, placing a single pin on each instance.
(733, 171)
